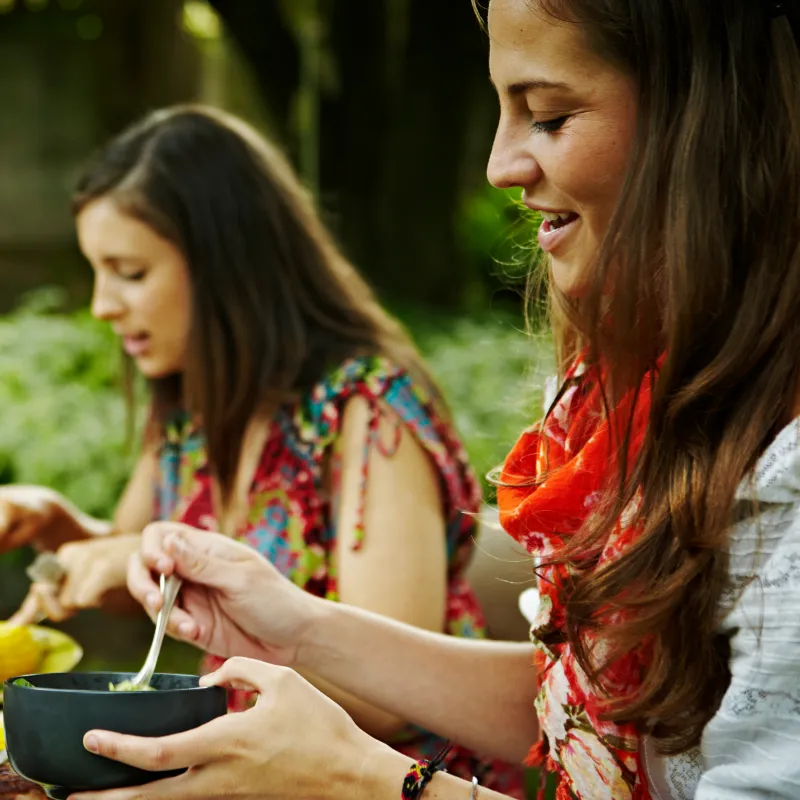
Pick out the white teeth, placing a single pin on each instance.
(551, 217)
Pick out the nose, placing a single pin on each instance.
(106, 303)
(511, 162)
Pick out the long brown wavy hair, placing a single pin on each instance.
(274, 302)
(703, 254)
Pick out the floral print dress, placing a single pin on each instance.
(291, 518)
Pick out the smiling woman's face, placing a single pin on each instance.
(567, 124)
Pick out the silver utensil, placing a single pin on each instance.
(46, 568)
(169, 592)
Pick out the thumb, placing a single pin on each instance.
(193, 561)
(245, 673)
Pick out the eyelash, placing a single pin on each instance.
(134, 276)
(549, 125)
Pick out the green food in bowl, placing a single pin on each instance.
(51, 713)
(130, 686)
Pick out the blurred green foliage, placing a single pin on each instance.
(64, 415)
(492, 374)
(64, 426)
(64, 418)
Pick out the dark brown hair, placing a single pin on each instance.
(704, 257)
(274, 302)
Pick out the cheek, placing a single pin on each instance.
(184, 304)
(171, 304)
(597, 172)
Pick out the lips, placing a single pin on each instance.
(555, 228)
(136, 345)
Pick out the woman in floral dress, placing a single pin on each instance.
(659, 142)
(287, 407)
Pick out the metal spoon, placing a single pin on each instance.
(169, 592)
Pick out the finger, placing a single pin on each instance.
(192, 606)
(18, 532)
(245, 673)
(192, 748)
(177, 788)
(141, 584)
(182, 625)
(29, 612)
(90, 590)
(146, 591)
(153, 553)
(6, 512)
(215, 545)
(189, 550)
(66, 593)
(49, 602)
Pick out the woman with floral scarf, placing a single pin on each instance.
(659, 497)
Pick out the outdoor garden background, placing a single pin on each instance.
(386, 109)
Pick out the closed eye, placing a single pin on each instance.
(133, 276)
(548, 125)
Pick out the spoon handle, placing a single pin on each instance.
(169, 591)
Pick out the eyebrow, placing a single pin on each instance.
(111, 259)
(523, 87)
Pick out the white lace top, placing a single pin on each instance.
(750, 750)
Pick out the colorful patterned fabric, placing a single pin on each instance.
(292, 517)
(551, 482)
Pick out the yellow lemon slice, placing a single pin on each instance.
(57, 652)
(60, 652)
(20, 651)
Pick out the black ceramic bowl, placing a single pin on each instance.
(45, 725)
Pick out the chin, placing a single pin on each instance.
(569, 277)
(152, 370)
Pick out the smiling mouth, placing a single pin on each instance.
(556, 229)
(553, 222)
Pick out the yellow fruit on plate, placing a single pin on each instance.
(20, 652)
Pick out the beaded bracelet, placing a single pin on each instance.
(421, 774)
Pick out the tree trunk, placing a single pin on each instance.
(260, 30)
(404, 130)
(144, 60)
(398, 145)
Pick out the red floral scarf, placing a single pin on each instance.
(551, 482)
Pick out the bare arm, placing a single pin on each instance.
(478, 693)
(383, 772)
(294, 744)
(47, 520)
(135, 508)
(400, 571)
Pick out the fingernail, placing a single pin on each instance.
(164, 565)
(186, 629)
(153, 599)
(91, 743)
